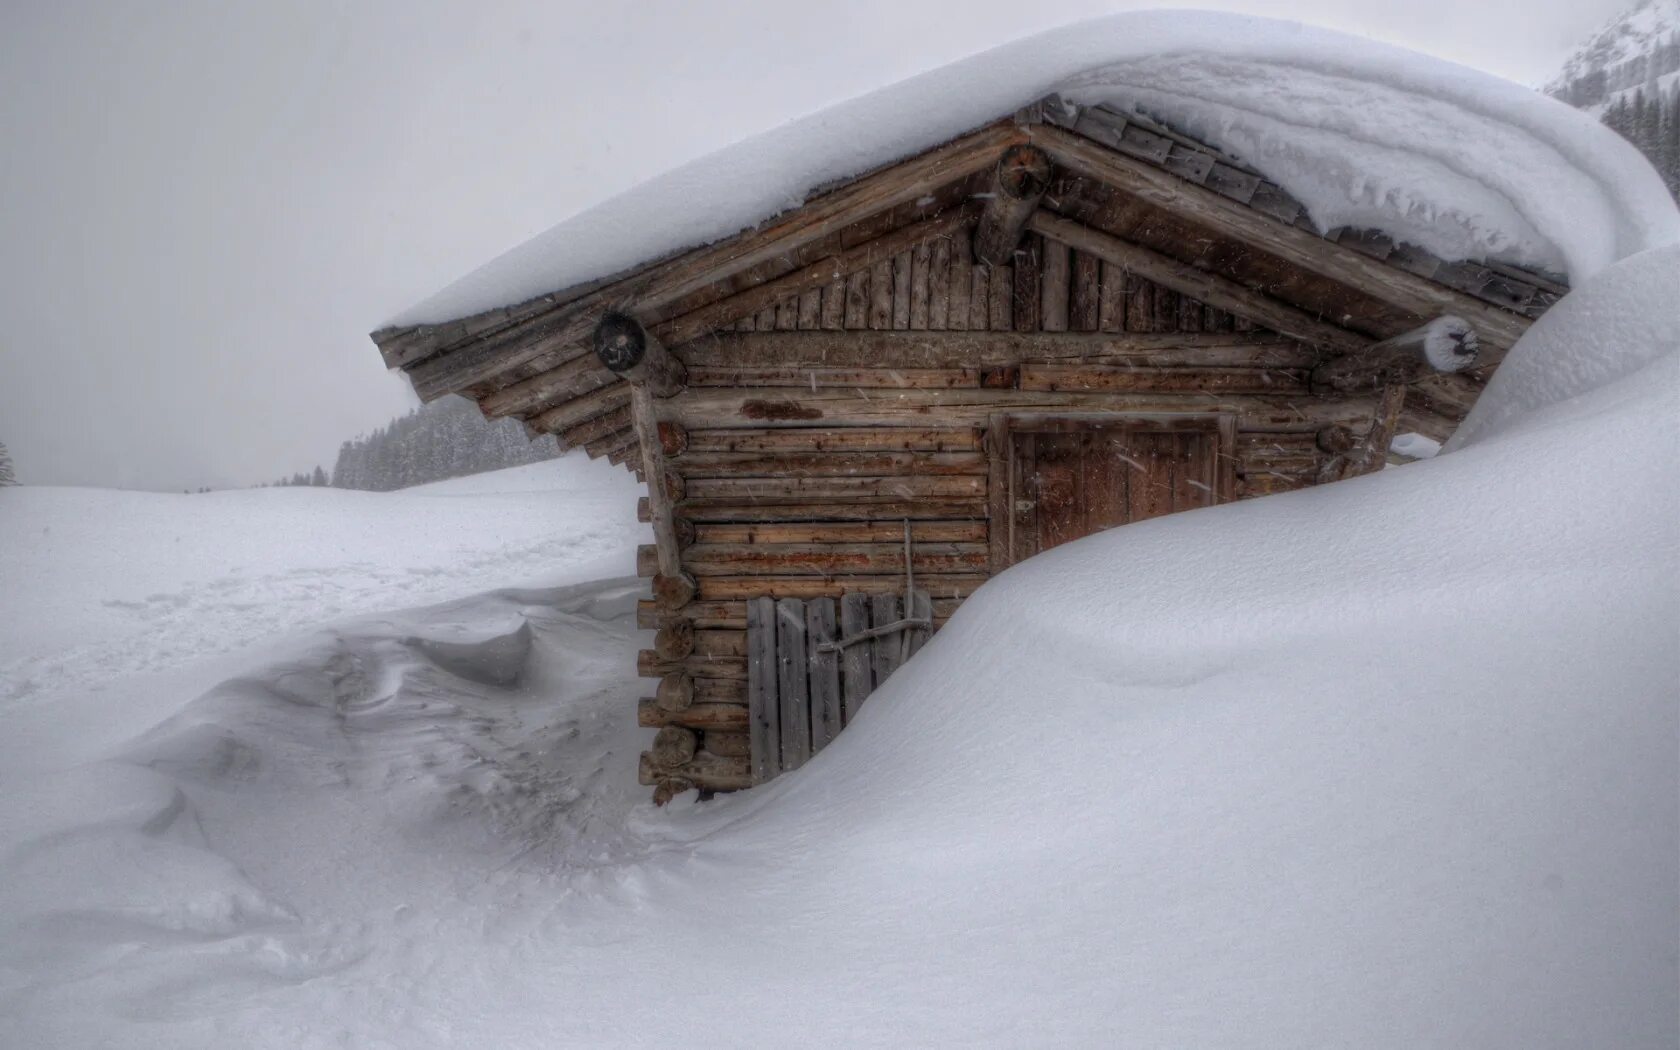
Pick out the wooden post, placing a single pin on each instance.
(1372, 453)
(1018, 184)
(1446, 344)
(625, 347)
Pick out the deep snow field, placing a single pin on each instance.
(1388, 763)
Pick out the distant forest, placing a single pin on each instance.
(1652, 123)
(448, 438)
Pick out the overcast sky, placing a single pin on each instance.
(204, 207)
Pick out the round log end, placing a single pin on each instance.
(676, 693)
(684, 531)
(674, 592)
(1450, 344)
(1023, 172)
(673, 438)
(669, 788)
(1335, 439)
(674, 746)
(675, 640)
(620, 342)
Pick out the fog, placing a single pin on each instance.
(204, 207)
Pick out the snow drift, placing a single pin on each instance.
(1385, 763)
(1450, 158)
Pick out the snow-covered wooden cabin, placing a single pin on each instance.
(852, 414)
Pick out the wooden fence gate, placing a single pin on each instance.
(810, 667)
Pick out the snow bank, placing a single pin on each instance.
(99, 583)
(1448, 157)
(1385, 763)
(1612, 328)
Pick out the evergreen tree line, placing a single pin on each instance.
(1599, 85)
(448, 438)
(8, 473)
(1651, 121)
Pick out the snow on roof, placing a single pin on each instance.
(1457, 161)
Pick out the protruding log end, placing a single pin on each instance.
(673, 746)
(674, 592)
(1335, 439)
(1023, 174)
(676, 693)
(1450, 344)
(673, 438)
(620, 342)
(675, 640)
(669, 788)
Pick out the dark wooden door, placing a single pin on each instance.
(1070, 478)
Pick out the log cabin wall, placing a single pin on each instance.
(811, 429)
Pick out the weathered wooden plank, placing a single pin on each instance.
(857, 663)
(939, 284)
(1025, 305)
(1199, 284)
(826, 715)
(921, 262)
(727, 588)
(705, 770)
(921, 608)
(697, 409)
(1001, 306)
(1085, 293)
(836, 378)
(793, 682)
(832, 439)
(649, 665)
(801, 464)
(885, 609)
(865, 531)
(829, 559)
(960, 282)
(731, 614)
(833, 313)
(763, 700)
(695, 716)
(1055, 293)
(581, 409)
(890, 351)
(880, 294)
(857, 300)
(1163, 380)
(1111, 306)
(819, 489)
(578, 376)
(979, 299)
(845, 509)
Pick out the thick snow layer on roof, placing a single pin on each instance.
(1453, 159)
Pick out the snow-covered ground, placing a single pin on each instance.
(1387, 763)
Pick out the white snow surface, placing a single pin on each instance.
(1458, 161)
(1388, 763)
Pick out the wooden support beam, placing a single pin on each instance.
(705, 771)
(1372, 452)
(1018, 184)
(951, 350)
(1445, 345)
(1221, 292)
(696, 716)
(1498, 328)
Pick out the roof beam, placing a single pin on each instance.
(1498, 328)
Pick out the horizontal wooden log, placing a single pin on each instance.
(848, 510)
(842, 532)
(1205, 286)
(649, 665)
(727, 743)
(1446, 344)
(696, 716)
(983, 349)
(806, 490)
(834, 439)
(576, 377)
(1163, 380)
(873, 378)
(612, 422)
(732, 615)
(706, 771)
(578, 410)
(1251, 485)
(1421, 297)
(702, 560)
(828, 464)
(697, 409)
(734, 588)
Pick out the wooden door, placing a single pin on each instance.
(1068, 478)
